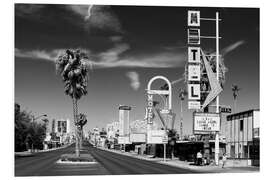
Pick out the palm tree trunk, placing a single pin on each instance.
(181, 120)
(75, 110)
(235, 102)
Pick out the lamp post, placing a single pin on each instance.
(33, 123)
(182, 95)
(46, 121)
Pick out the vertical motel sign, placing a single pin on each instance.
(194, 59)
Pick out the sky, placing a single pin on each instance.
(127, 46)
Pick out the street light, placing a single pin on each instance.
(182, 95)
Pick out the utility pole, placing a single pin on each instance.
(217, 98)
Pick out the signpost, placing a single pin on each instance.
(164, 141)
(194, 61)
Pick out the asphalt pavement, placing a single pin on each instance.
(108, 163)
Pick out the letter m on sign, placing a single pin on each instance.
(194, 18)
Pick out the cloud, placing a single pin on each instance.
(89, 17)
(178, 80)
(112, 55)
(112, 58)
(232, 47)
(97, 17)
(134, 79)
(116, 39)
(38, 54)
(28, 9)
(89, 13)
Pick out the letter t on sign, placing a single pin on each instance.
(194, 54)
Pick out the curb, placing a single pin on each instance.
(201, 169)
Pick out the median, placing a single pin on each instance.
(73, 159)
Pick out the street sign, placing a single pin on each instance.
(165, 139)
(225, 109)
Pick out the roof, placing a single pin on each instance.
(243, 113)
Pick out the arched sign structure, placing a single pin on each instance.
(151, 92)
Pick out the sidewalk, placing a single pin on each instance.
(187, 165)
(27, 153)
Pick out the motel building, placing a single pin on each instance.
(243, 139)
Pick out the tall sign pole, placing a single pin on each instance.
(199, 90)
(217, 98)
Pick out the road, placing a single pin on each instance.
(108, 163)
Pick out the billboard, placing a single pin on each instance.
(206, 122)
(138, 138)
(123, 140)
(156, 137)
(138, 126)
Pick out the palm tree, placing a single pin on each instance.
(72, 67)
(235, 90)
(182, 95)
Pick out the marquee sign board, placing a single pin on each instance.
(206, 122)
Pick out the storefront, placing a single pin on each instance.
(242, 134)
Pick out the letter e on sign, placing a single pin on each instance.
(194, 73)
(194, 18)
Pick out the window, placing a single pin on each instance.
(241, 125)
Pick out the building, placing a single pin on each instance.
(61, 129)
(124, 120)
(242, 135)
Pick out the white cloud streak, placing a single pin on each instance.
(97, 16)
(113, 57)
(134, 79)
(232, 47)
(38, 54)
